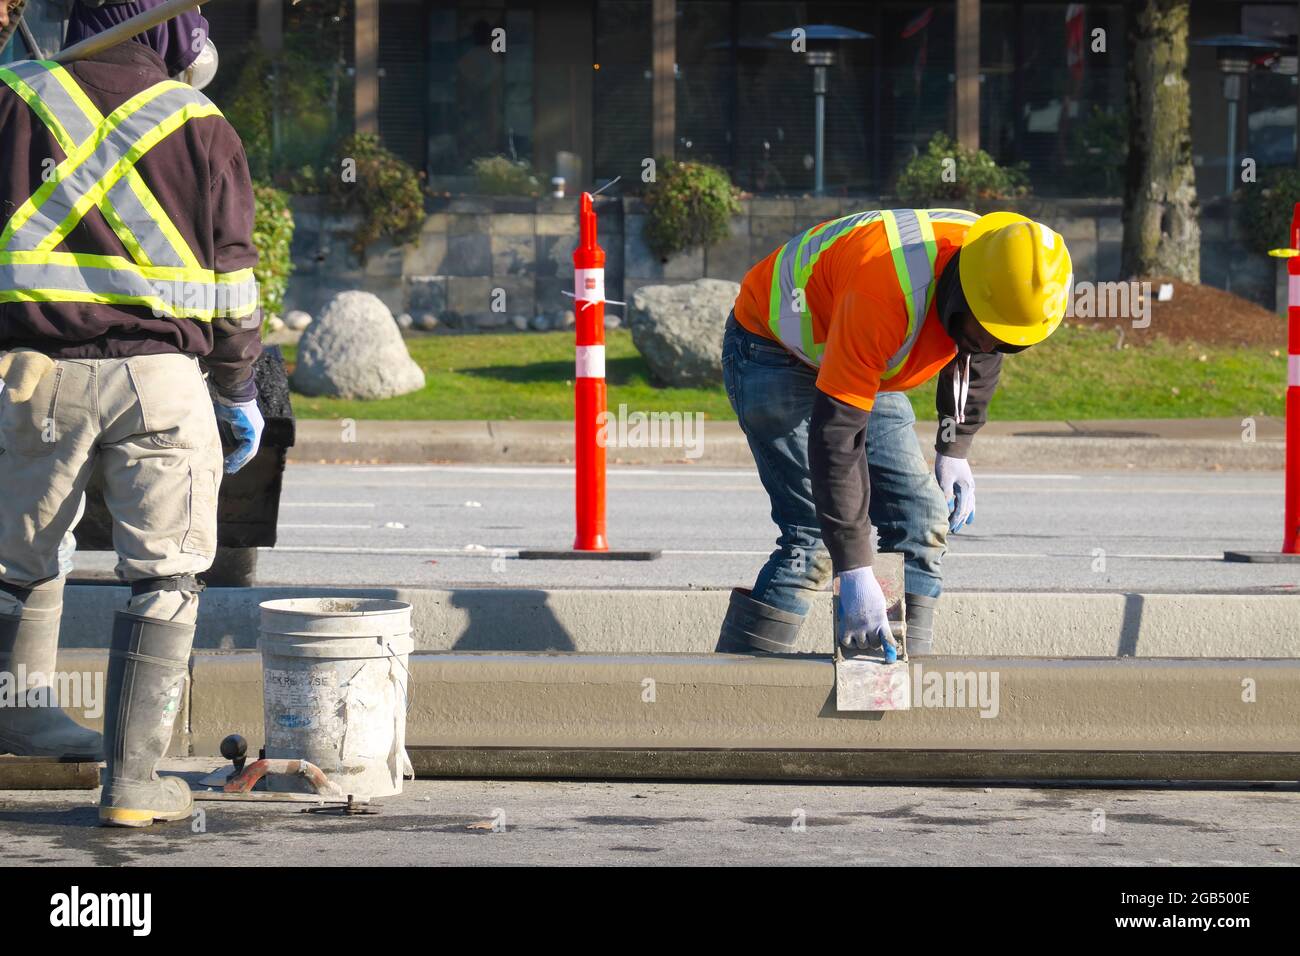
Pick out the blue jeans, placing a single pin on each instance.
(772, 393)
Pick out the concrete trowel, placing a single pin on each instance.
(864, 680)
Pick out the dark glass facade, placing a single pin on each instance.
(745, 101)
(576, 78)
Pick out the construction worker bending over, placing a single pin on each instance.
(827, 334)
(125, 272)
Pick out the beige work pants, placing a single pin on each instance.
(149, 422)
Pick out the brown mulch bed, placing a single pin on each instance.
(1203, 314)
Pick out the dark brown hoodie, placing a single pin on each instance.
(200, 176)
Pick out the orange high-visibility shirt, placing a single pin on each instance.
(858, 312)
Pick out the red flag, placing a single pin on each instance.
(1074, 51)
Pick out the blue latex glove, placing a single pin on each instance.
(246, 422)
(864, 617)
(958, 484)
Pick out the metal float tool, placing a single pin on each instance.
(237, 782)
(864, 680)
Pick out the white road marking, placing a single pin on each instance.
(329, 549)
(1081, 554)
(325, 527)
(512, 551)
(327, 504)
(1131, 492)
(1267, 497)
(620, 471)
(992, 554)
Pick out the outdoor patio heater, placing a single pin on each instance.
(823, 42)
(1235, 53)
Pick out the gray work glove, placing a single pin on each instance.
(958, 484)
(864, 615)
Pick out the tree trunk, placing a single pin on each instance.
(1162, 234)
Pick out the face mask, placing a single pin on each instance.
(204, 68)
(972, 337)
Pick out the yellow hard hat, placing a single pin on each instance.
(1016, 276)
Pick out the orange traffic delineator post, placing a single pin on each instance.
(589, 403)
(1290, 552)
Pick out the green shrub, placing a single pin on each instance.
(1267, 210)
(689, 204)
(298, 87)
(1099, 153)
(501, 176)
(273, 235)
(247, 105)
(385, 192)
(948, 171)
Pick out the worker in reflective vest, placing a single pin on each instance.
(126, 258)
(827, 334)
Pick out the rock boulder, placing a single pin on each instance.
(678, 330)
(355, 350)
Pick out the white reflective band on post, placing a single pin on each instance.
(1293, 371)
(1293, 289)
(591, 361)
(589, 285)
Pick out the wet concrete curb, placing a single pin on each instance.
(683, 716)
(693, 702)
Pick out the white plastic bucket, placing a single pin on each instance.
(335, 684)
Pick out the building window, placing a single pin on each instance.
(1270, 101)
(403, 78)
(918, 62)
(775, 114)
(479, 101)
(621, 89)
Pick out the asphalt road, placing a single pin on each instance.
(443, 526)
(651, 823)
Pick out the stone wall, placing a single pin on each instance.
(491, 263)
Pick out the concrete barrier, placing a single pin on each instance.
(1105, 624)
(628, 703)
(738, 717)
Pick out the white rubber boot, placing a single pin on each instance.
(36, 726)
(146, 678)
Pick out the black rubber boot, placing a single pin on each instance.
(146, 678)
(29, 645)
(754, 626)
(920, 624)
